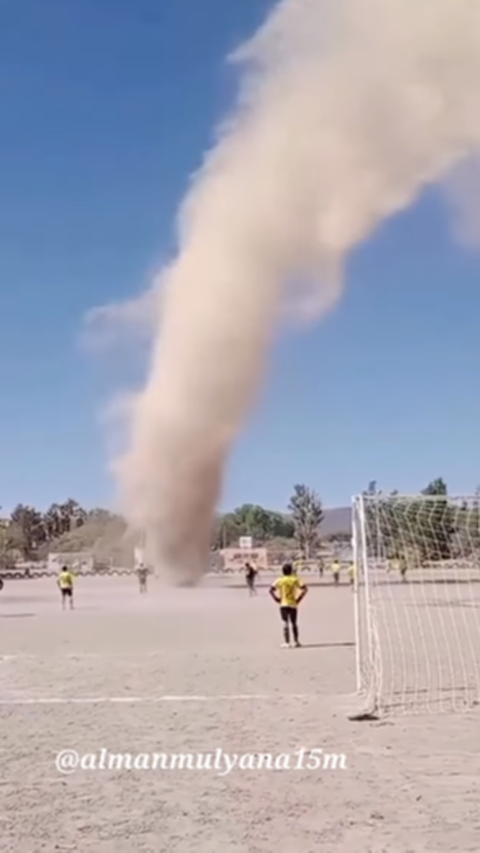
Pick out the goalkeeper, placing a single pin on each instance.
(288, 591)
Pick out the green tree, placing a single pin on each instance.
(254, 521)
(226, 531)
(263, 524)
(436, 487)
(307, 515)
(250, 520)
(415, 529)
(467, 533)
(435, 523)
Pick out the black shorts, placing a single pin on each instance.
(67, 592)
(288, 614)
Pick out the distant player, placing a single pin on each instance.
(251, 577)
(321, 567)
(298, 565)
(288, 591)
(65, 585)
(351, 574)
(142, 574)
(336, 572)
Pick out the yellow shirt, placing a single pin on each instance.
(351, 570)
(288, 588)
(65, 580)
(336, 568)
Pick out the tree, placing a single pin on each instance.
(281, 526)
(435, 523)
(63, 518)
(436, 487)
(307, 515)
(262, 524)
(29, 528)
(53, 522)
(412, 528)
(467, 532)
(250, 520)
(419, 530)
(226, 531)
(254, 521)
(74, 514)
(11, 542)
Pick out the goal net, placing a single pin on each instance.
(417, 602)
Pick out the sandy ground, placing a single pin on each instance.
(200, 670)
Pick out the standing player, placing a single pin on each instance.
(142, 574)
(288, 591)
(336, 572)
(351, 574)
(250, 577)
(65, 585)
(298, 565)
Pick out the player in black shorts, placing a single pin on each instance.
(65, 585)
(289, 591)
(250, 577)
(142, 574)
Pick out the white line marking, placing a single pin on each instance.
(80, 656)
(155, 700)
(56, 656)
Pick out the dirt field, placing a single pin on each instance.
(201, 670)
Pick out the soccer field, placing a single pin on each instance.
(195, 671)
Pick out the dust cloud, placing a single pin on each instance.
(346, 110)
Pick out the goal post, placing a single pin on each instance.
(417, 602)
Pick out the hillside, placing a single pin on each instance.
(337, 521)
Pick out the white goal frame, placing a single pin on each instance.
(417, 625)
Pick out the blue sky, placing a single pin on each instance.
(107, 106)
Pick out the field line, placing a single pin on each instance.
(78, 656)
(153, 700)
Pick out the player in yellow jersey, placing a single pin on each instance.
(351, 574)
(65, 585)
(288, 591)
(336, 572)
